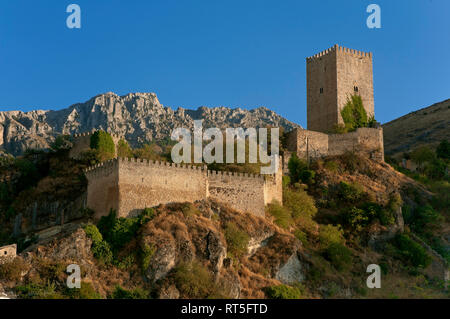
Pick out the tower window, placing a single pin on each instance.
(355, 88)
(321, 90)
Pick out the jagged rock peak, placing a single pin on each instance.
(139, 117)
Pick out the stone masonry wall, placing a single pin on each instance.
(145, 183)
(321, 91)
(354, 69)
(242, 192)
(103, 188)
(308, 144)
(130, 185)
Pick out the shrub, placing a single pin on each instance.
(102, 251)
(123, 149)
(410, 251)
(118, 231)
(350, 192)
(86, 291)
(421, 155)
(29, 174)
(339, 255)
(425, 219)
(137, 293)
(353, 113)
(298, 171)
(331, 166)
(283, 292)
(93, 233)
(193, 280)
(12, 270)
(443, 150)
(357, 218)
(100, 248)
(329, 234)
(103, 142)
(61, 143)
(237, 239)
(147, 253)
(302, 207)
(301, 236)
(282, 215)
(90, 157)
(38, 291)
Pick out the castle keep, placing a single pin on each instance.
(332, 76)
(130, 185)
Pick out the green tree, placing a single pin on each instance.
(354, 115)
(443, 150)
(298, 171)
(103, 142)
(123, 149)
(421, 155)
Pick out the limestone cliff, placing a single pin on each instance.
(139, 117)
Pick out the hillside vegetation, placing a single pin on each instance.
(338, 215)
(425, 127)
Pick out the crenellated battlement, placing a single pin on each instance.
(220, 174)
(130, 184)
(86, 134)
(337, 48)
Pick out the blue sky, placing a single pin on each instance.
(212, 53)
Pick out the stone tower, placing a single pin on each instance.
(332, 76)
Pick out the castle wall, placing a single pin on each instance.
(145, 183)
(103, 190)
(308, 144)
(273, 187)
(242, 192)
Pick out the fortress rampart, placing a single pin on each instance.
(130, 185)
(309, 144)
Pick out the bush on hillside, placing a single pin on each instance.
(283, 292)
(237, 239)
(103, 142)
(195, 281)
(299, 172)
(410, 251)
(353, 114)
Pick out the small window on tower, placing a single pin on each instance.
(355, 88)
(321, 90)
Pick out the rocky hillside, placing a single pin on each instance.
(427, 126)
(349, 213)
(139, 117)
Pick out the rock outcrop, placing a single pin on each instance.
(139, 117)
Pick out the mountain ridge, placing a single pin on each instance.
(138, 117)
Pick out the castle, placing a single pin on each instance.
(130, 185)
